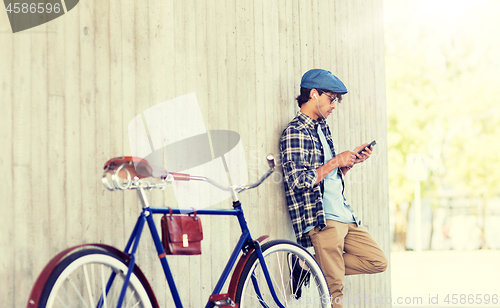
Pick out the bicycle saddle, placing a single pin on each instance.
(136, 166)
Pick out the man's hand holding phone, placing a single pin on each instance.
(345, 160)
(358, 155)
(363, 152)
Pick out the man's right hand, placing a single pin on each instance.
(346, 159)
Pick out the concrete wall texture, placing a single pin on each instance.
(70, 87)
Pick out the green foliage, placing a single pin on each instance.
(443, 101)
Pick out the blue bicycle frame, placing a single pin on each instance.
(147, 216)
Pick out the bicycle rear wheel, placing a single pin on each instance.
(92, 278)
(283, 258)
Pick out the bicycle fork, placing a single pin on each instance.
(263, 264)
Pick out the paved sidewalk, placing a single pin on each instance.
(446, 279)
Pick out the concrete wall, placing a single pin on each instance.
(69, 88)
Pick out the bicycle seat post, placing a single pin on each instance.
(143, 197)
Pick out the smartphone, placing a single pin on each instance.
(368, 146)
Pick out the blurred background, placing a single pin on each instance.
(443, 94)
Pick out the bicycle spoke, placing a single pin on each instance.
(130, 298)
(276, 283)
(294, 292)
(137, 304)
(280, 291)
(61, 302)
(87, 280)
(103, 288)
(76, 290)
(259, 300)
(282, 277)
(282, 259)
(91, 278)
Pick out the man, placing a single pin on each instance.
(314, 187)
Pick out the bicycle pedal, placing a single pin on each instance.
(222, 301)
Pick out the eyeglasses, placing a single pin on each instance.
(333, 99)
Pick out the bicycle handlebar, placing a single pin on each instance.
(134, 170)
(238, 189)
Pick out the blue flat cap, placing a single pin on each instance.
(321, 79)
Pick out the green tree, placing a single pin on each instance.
(442, 101)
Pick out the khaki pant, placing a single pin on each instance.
(345, 249)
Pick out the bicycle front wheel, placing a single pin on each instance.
(296, 276)
(92, 278)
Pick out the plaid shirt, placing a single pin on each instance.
(301, 154)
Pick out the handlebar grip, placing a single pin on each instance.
(180, 176)
(270, 160)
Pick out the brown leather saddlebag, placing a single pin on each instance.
(181, 234)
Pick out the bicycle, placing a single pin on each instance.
(98, 275)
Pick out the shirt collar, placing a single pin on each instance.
(310, 122)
